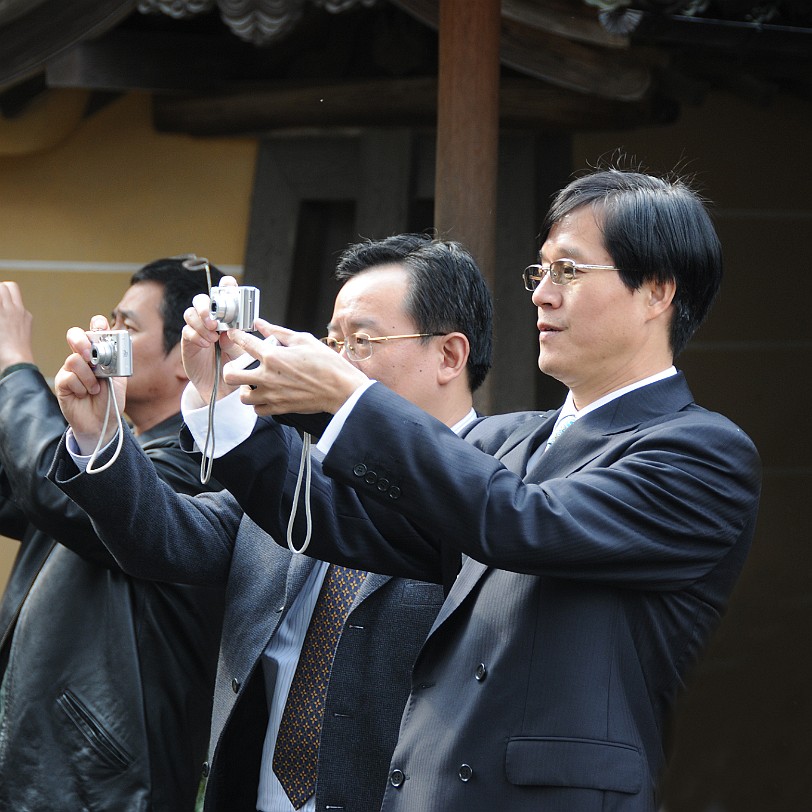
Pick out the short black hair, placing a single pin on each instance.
(180, 286)
(447, 292)
(655, 229)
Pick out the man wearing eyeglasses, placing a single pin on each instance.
(596, 560)
(415, 314)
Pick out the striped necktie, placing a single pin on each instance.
(296, 753)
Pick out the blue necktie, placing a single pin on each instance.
(565, 423)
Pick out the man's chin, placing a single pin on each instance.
(549, 367)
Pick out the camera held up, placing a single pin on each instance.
(236, 307)
(111, 353)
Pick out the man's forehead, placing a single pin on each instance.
(576, 235)
(139, 300)
(371, 299)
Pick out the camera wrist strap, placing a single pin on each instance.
(112, 404)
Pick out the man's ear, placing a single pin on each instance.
(176, 361)
(660, 296)
(455, 349)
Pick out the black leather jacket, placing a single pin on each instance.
(108, 679)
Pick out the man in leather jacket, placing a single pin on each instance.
(106, 679)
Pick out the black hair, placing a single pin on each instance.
(655, 229)
(180, 286)
(447, 292)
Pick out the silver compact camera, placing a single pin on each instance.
(111, 353)
(235, 307)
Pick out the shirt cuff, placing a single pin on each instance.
(233, 420)
(82, 461)
(334, 427)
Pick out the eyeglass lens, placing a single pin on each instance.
(562, 271)
(358, 345)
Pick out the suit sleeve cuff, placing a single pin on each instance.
(334, 427)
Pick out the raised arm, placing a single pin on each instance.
(30, 427)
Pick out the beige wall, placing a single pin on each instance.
(110, 193)
(742, 740)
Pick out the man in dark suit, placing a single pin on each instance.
(599, 542)
(434, 350)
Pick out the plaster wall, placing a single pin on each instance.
(80, 214)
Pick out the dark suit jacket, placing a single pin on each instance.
(590, 583)
(209, 541)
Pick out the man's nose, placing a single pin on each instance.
(546, 292)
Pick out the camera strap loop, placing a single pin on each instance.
(305, 468)
(207, 461)
(112, 404)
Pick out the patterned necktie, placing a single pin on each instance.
(560, 429)
(296, 753)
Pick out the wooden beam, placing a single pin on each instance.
(574, 21)
(602, 72)
(12, 9)
(567, 18)
(51, 28)
(561, 42)
(151, 62)
(524, 104)
(468, 131)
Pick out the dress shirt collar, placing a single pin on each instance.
(569, 410)
(467, 420)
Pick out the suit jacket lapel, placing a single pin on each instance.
(468, 577)
(588, 436)
(523, 444)
(300, 567)
(372, 583)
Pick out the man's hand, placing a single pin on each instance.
(82, 396)
(15, 327)
(296, 373)
(197, 346)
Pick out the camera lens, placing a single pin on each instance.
(225, 308)
(101, 353)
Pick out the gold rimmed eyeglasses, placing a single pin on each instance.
(359, 345)
(562, 272)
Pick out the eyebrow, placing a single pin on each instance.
(357, 325)
(567, 253)
(125, 314)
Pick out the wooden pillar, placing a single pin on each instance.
(468, 132)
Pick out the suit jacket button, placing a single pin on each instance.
(396, 778)
(371, 478)
(235, 685)
(205, 769)
(383, 484)
(465, 772)
(481, 672)
(359, 469)
(394, 492)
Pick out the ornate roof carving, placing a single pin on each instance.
(257, 21)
